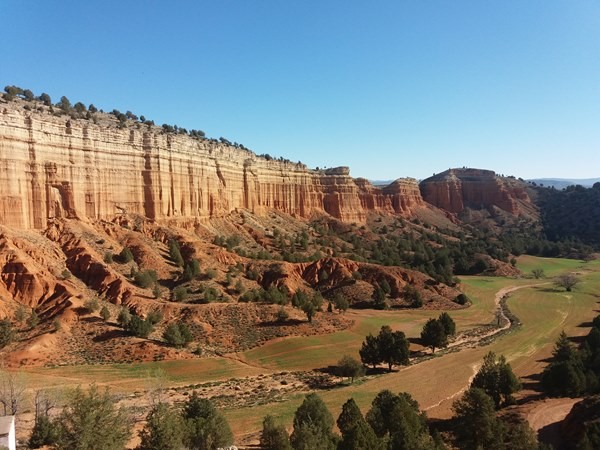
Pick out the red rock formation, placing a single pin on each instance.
(404, 194)
(457, 189)
(26, 278)
(60, 167)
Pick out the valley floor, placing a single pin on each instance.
(273, 378)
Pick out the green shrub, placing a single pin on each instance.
(91, 305)
(282, 315)
(33, 319)
(146, 278)
(412, 295)
(461, 299)
(180, 293)
(175, 253)
(211, 273)
(124, 317)
(139, 327)
(210, 295)
(154, 316)
(177, 334)
(7, 333)
(125, 256)
(105, 313)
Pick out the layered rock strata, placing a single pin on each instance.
(457, 189)
(58, 167)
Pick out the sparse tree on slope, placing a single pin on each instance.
(369, 352)
(397, 418)
(312, 426)
(357, 434)
(7, 333)
(207, 428)
(447, 323)
(434, 335)
(567, 281)
(477, 426)
(497, 379)
(350, 367)
(164, 429)
(393, 347)
(91, 421)
(274, 436)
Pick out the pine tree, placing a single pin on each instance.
(91, 421)
(477, 426)
(274, 436)
(164, 429)
(356, 432)
(448, 324)
(434, 335)
(312, 426)
(393, 347)
(496, 379)
(207, 428)
(369, 352)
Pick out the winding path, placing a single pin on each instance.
(469, 340)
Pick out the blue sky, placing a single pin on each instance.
(389, 88)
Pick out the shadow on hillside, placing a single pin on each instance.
(585, 325)
(108, 335)
(548, 360)
(442, 425)
(577, 340)
(532, 383)
(331, 370)
(91, 319)
(279, 323)
(415, 340)
(551, 435)
(378, 370)
(549, 289)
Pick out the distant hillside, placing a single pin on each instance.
(571, 214)
(381, 183)
(561, 183)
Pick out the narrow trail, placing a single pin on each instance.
(469, 340)
(236, 358)
(475, 368)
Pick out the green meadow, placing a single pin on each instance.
(543, 310)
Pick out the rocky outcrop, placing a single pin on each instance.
(405, 195)
(457, 189)
(30, 276)
(59, 167)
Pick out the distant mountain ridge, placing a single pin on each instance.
(561, 183)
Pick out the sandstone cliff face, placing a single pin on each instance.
(58, 167)
(457, 189)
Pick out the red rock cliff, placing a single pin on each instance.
(62, 167)
(456, 189)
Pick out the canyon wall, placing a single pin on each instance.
(56, 166)
(457, 189)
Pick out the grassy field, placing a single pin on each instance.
(130, 377)
(551, 266)
(436, 383)
(543, 311)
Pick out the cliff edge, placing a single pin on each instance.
(57, 166)
(457, 189)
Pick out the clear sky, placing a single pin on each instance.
(389, 88)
